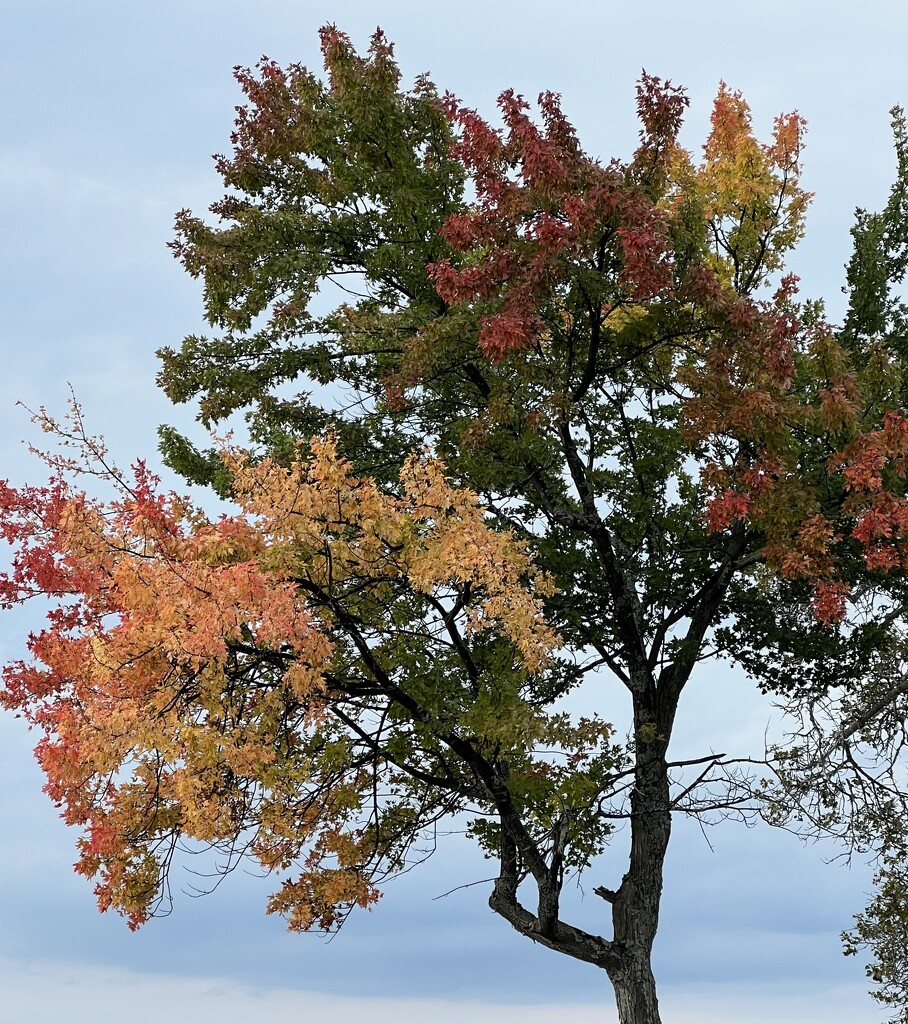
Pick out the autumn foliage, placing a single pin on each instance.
(151, 734)
(566, 420)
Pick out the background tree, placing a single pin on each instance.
(652, 454)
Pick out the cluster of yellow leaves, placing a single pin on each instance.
(752, 199)
(327, 525)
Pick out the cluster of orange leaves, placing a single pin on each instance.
(151, 733)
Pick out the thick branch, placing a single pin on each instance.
(563, 938)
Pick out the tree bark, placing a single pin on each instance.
(635, 906)
(635, 994)
(635, 919)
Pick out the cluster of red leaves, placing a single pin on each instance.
(267, 127)
(660, 108)
(740, 387)
(541, 202)
(743, 390)
(727, 507)
(880, 514)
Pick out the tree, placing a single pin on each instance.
(555, 418)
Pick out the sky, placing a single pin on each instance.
(111, 113)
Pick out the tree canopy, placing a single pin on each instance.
(517, 419)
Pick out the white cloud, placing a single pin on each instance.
(46, 992)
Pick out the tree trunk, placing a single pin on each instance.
(635, 993)
(635, 909)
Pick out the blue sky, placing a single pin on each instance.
(111, 112)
